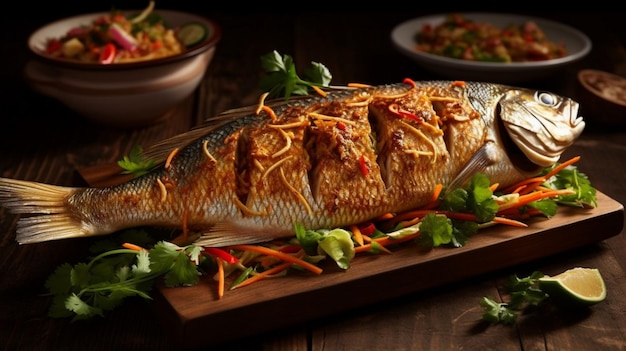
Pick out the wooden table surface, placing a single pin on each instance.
(44, 141)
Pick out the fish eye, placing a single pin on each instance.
(546, 98)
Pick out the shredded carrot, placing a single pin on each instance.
(493, 187)
(319, 91)
(264, 274)
(518, 189)
(437, 192)
(131, 246)
(358, 85)
(170, 157)
(384, 217)
(537, 181)
(285, 257)
(410, 222)
(220, 278)
(523, 184)
(534, 196)
(434, 200)
(356, 234)
(384, 241)
(509, 221)
(270, 112)
(562, 166)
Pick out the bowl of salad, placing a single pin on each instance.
(122, 68)
(494, 47)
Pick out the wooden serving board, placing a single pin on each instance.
(195, 315)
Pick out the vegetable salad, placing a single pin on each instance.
(114, 38)
(461, 38)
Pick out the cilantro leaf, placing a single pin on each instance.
(524, 292)
(570, 178)
(134, 163)
(86, 290)
(480, 201)
(281, 77)
(497, 312)
(435, 230)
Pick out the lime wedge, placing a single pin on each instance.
(575, 287)
(191, 34)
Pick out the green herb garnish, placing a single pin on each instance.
(135, 163)
(524, 293)
(86, 290)
(281, 78)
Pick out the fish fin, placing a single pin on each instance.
(229, 233)
(486, 156)
(161, 150)
(51, 219)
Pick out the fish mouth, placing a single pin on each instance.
(543, 134)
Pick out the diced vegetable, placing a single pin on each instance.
(108, 53)
(122, 37)
(72, 47)
(193, 33)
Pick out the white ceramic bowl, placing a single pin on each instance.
(125, 95)
(576, 43)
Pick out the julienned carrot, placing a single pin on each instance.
(319, 90)
(437, 192)
(384, 241)
(131, 246)
(509, 221)
(220, 277)
(287, 258)
(384, 217)
(494, 186)
(562, 166)
(534, 196)
(264, 274)
(270, 112)
(537, 181)
(356, 234)
(523, 184)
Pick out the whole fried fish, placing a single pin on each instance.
(322, 161)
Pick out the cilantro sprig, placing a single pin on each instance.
(524, 294)
(134, 163)
(281, 77)
(87, 290)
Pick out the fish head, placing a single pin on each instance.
(540, 123)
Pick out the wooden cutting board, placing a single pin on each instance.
(195, 315)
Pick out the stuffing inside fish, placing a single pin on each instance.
(323, 161)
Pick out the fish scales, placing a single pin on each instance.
(324, 162)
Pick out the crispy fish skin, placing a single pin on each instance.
(324, 162)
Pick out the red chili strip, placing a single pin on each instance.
(220, 253)
(290, 249)
(410, 82)
(393, 108)
(363, 166)
(367, 229)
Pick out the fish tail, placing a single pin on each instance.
(51, 218)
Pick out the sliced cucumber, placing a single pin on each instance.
(193, 33)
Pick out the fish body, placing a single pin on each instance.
(322, 161)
